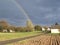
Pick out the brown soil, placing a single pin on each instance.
(41, 40)
(35, 40)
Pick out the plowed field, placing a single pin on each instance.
(41, 40)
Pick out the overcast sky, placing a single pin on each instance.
(43, 12)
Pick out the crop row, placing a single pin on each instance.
(41, 40)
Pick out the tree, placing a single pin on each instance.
(3, 25)
(20, 29)
(29, 26)
(1, 28)
(38, 28)
(56, 23)
(11, 28)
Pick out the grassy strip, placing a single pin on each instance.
(8, 36)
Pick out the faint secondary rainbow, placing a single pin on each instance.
(21, 9)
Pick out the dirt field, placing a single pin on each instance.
(41, 40)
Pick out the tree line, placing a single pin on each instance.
(5, 25)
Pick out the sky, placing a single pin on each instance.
(42, 12)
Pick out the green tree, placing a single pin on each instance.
(38, 28)
(20, 29)
(56, 23)
(1, 28)
(29, 26)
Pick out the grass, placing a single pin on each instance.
(8, 36)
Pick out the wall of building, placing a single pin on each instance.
(55, 31)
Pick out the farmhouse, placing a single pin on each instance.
(4, 30)
(55, 29)
(11, 30)
(48, 29)
(52, 29)
(44, 28)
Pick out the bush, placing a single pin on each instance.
(38, 28)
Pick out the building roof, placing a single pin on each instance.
(55, 27)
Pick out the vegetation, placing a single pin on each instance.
(8, 36)
(56, 23)
(5, 26)
(38, 28)
(1, 28)
(29, 26)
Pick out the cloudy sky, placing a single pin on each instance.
(43, 12)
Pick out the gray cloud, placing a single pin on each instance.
(42, 12)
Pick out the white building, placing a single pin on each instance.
(43, 29)
(55, 29)
(48, 29)
(11, 31)
(4, 30)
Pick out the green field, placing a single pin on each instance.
(8, 36)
